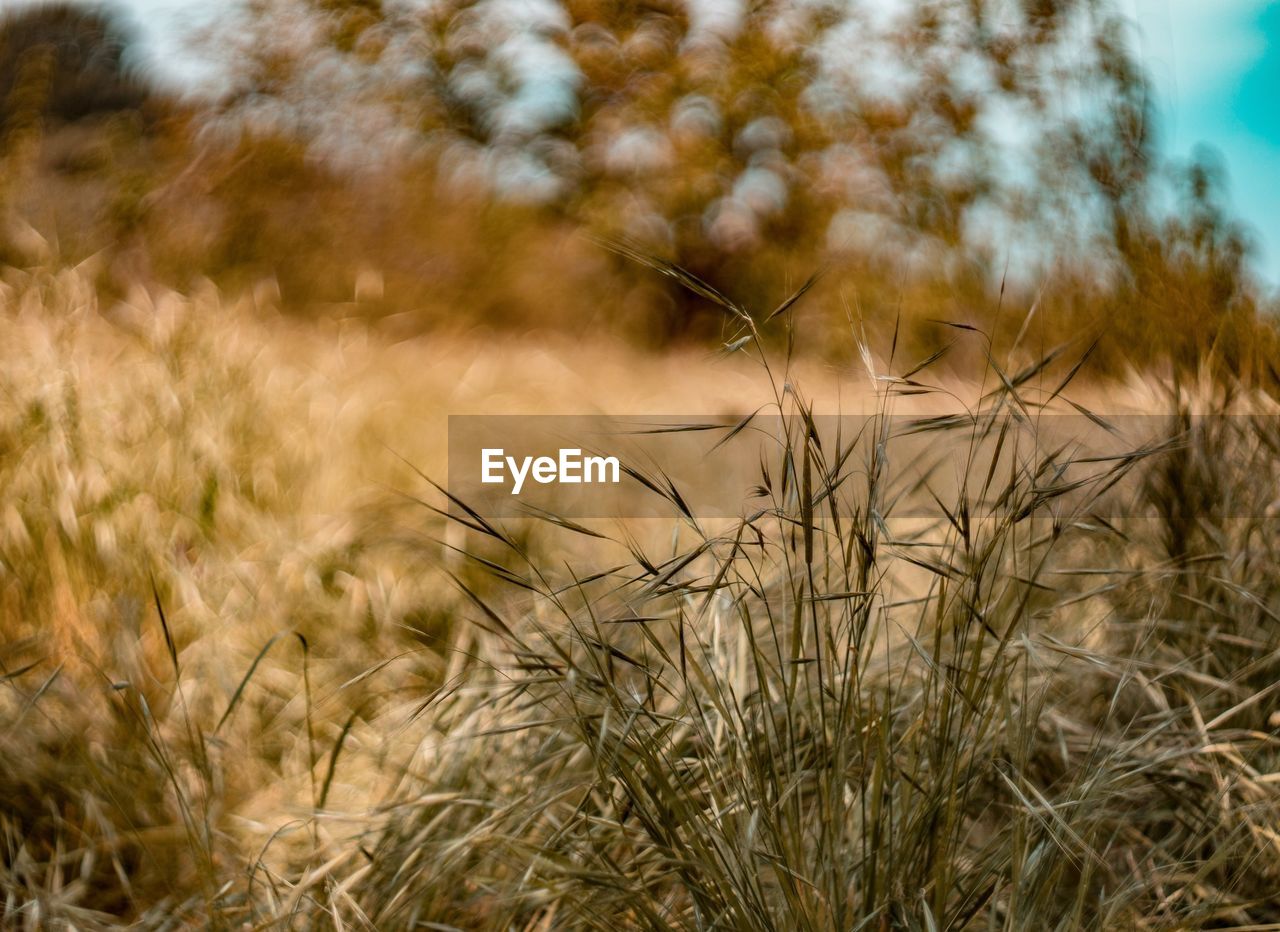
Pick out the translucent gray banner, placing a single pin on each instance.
(662, 466)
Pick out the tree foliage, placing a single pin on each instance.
(735, 139)
(65, 61)
(926, 155)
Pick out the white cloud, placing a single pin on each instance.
(1193, 48)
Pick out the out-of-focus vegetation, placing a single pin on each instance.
(439, 164)
(245, 682)
(253, 675)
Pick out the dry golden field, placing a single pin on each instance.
(252, 680)
(997, 652)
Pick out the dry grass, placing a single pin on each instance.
(245, 684)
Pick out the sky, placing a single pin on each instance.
(1215, 65)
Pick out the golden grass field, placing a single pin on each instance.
(249, 681)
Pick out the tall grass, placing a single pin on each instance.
(1025, 713)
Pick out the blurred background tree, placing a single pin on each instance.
(939, 158)
(742, 143)
(73, 110)
(65, 61)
